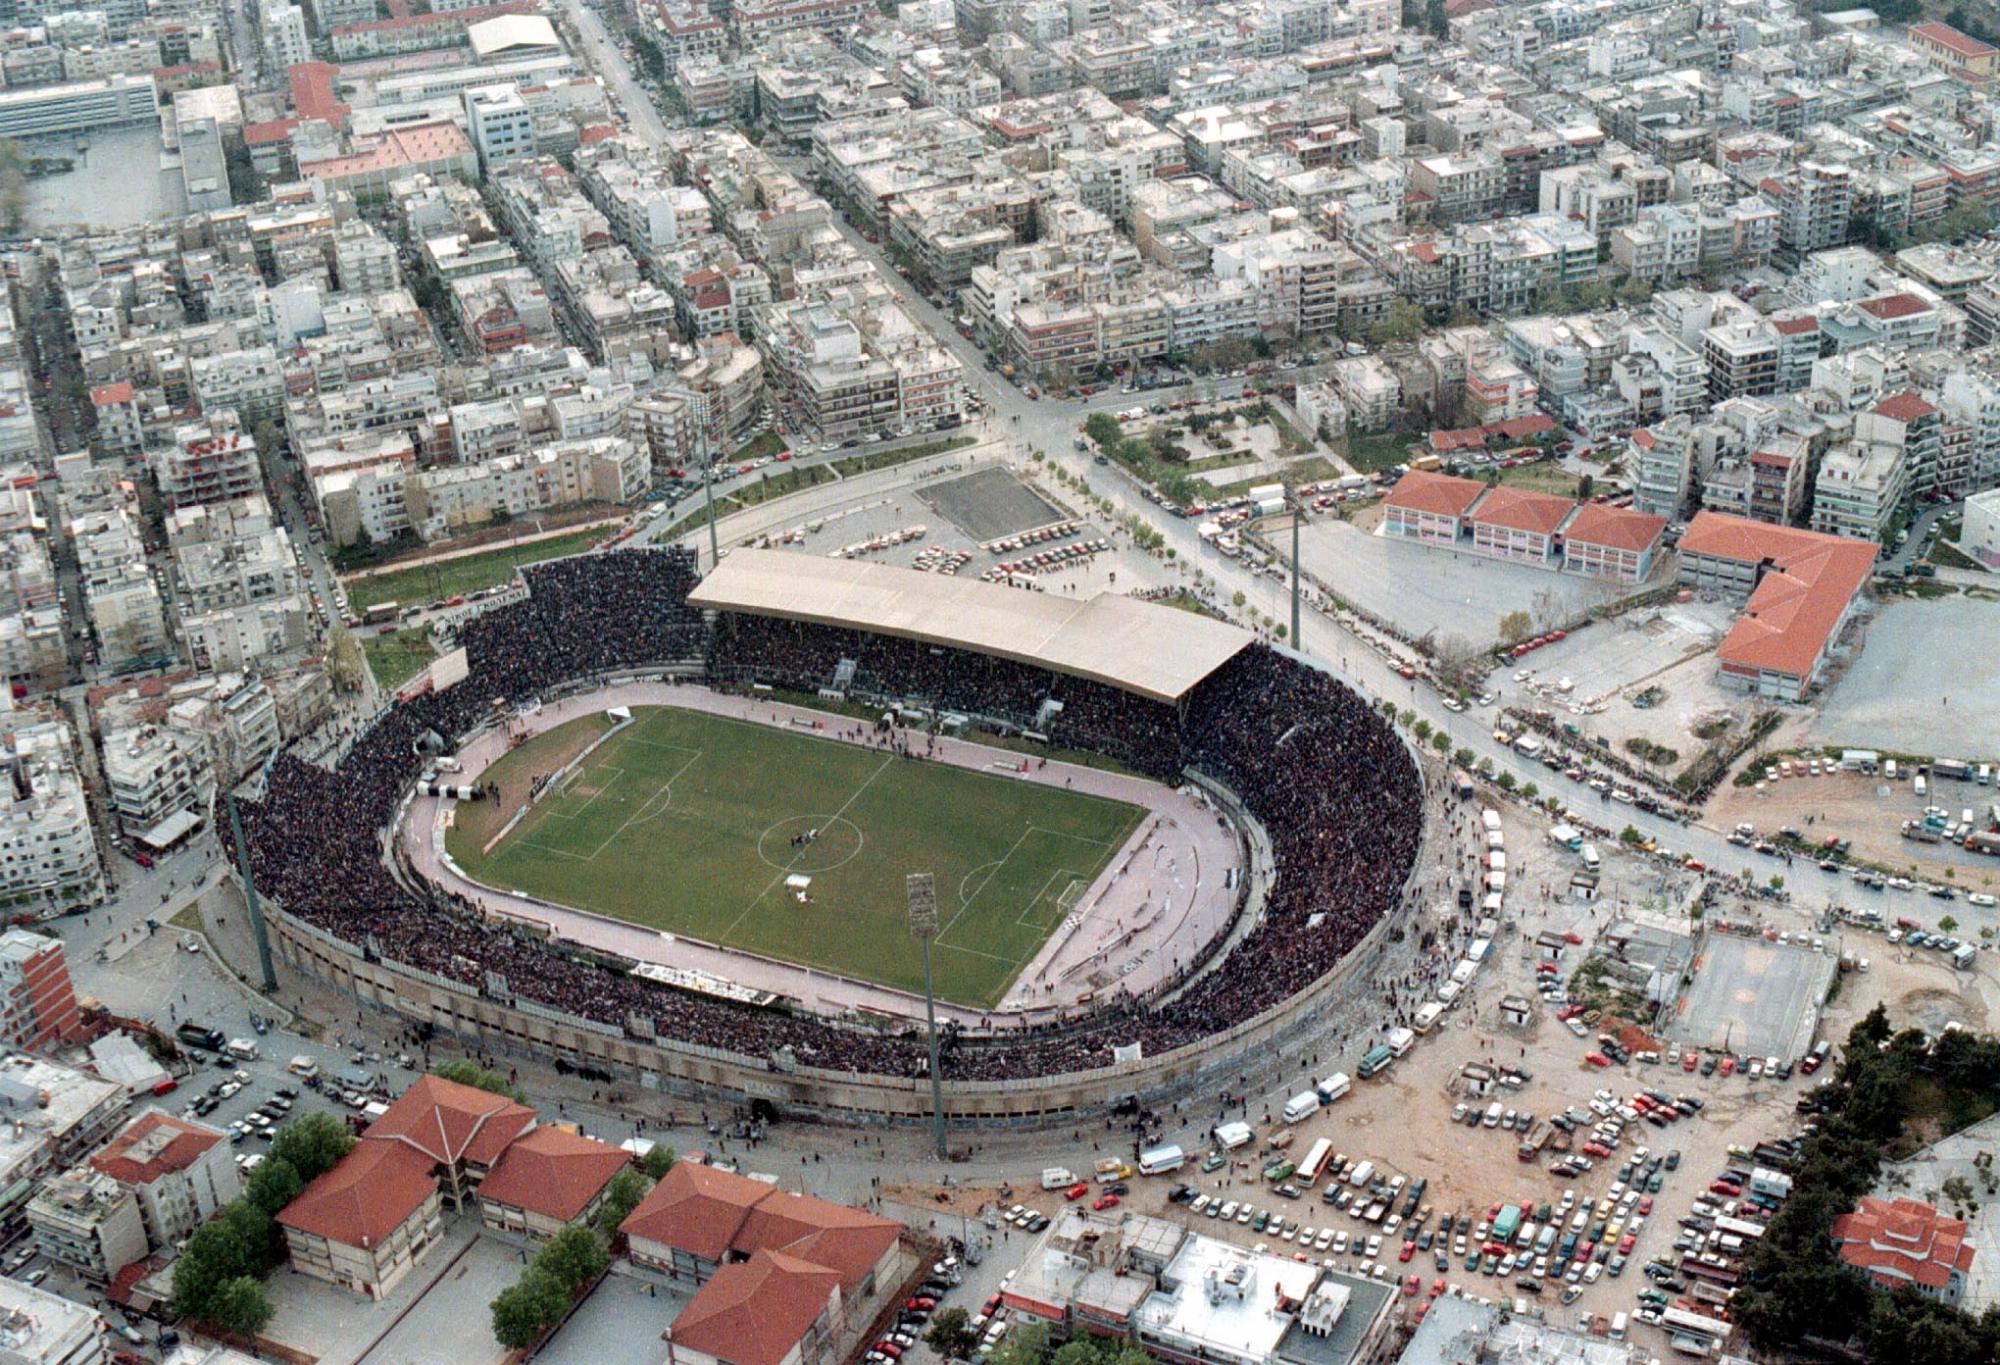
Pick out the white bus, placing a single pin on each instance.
(1314, 1166)
(1160, 1160)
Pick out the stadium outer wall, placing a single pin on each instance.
(689, 1070)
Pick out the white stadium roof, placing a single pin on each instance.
(512, 33)
(1156, 651)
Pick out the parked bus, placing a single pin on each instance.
(1160, 1160)
(1314, 1165)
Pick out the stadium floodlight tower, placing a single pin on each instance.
(920, 890)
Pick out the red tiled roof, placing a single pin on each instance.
(1792, 327)
(1944, 35)
(313, 95)
(755, 1311)
(1439, 494)
(1892, 306)
(153, 1145)
(554, 1172)
(1904, 407)
(1517, 509)
(1615, 528)
(104, 395)
(367, 1195)
(1902, 1240)
(450, 1123)
(710, 1213)
(272, 131)
(1801, 597)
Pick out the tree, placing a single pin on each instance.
(574, 1257)
(274, 1184)
(239, 1305)
(651, 60)
(479, 1078)
(1958, 1190)
(1464, 758)
(1103, 428)
(1948, 923)
(1507, 781)
(312, 1144)
(951, 1334)
(13, 184)
(345, 663)
(1440, 741)
(1403, 322)
(527, 1308)
(1515, 627)
(1422, 729)
(215, 1254)
(659, 1160)
(628, 1187)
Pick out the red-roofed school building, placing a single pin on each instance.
(1524, 527)
(1959, 53)
(547, 1180)
(366, 1223)
(1898, 1242)
(1802, 589)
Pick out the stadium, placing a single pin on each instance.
(657, 827)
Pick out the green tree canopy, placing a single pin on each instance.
(574, 1257)
(659, 1160)
(527, 1308)
(479, 1078)
(312, 1143)
(274, 1184)
(628, 1187)
(239, 1305)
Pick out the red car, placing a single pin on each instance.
(1104, 1201)
(1547, 969)
(1409, 1250)
(1410, 1287)
(992, 1305)
(1695, 865)
(1626, 1243)
(889, 1349)
(1597, 1059)
(1728, 1066)
(1645, 1206)
(1437, 1288)
(784, 455)
(1076, 1191)
(1572, 936)
(920, 1305)
(1724, 1188)
(1406, 673)
(1596, 1149)
(1570, 1011)
(1688, 1062)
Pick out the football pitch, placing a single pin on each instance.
(685, 822)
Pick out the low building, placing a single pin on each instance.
(40, 1328)
(1904, 1242)
(1802, 587)
(1979, 534)
(460, 1130)
(1612, 542)
(547, 1180)
(1427, 506)
(1513, 523)
(366, 1223)
(778, 1272)
(1458, 1331)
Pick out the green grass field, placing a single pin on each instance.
(395, 657)
(683, 822)
(422, 583)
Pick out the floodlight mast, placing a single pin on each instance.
(920, 890)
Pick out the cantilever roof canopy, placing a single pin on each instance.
(1141, 647)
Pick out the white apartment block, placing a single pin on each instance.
(154, 773)
(48, 853)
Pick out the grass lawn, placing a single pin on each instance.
(396, 657)
(764, 443)
(1312, 469)
(423, 583)
(1373, 454)
(1546, 477)
(684, 822)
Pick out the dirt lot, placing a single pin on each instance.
(1868, 811)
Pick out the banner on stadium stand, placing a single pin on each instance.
(1128, 1052)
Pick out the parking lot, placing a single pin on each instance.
(1913, 688)
(1427, 589)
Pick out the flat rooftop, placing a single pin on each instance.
(1224, 1304)
(1155, 651)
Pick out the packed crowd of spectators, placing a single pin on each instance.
(805, 657)
(1333, 786)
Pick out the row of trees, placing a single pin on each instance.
(1800, 1298)
(573, 1258)
(219, 1278)
(951, 1335)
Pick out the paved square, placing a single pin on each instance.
(989, 503)
(1754, 998)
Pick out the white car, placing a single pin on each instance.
(1979, 898)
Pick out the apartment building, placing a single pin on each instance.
(1861, 485)
(154, 774)
(89, 1222)
(180, 1173)
(48, 855)
(41, 1328)
(208, 461)
(38, 1007)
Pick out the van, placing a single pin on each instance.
(1057, 1178)
(1921, 787)
(304, 1067)
(1591, 861)
(1301, 1106)
(242, 1049)
(1985, 775)
(1362, 1173)
(1230, 1136)
(1889, 769)
(1618, 1327)
(1160, 1160)
(1333, 1087)
(1492, 1119)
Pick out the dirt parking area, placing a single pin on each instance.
(1914, 688)
(1869, 812)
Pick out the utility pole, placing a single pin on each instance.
(708, 484)
(256, 907)
(1298, 515)
(920, 890)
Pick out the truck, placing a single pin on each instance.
(1568, 836)
(303, 1067)
(1507, 1224)
(1301, 1106)
(1229, 1136)
(201, 1036)
(1376, 1060)
(1461, 785)
(1489, 818)
(1160, 1160)
(1956, 769)
(1401, 1040)
(1537, 1138)
(1529, 746)
(1058, 1178)
(1859, 760)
